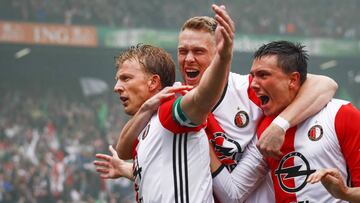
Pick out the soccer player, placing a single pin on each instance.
(171, 159)
(238, 111)
(328, 139)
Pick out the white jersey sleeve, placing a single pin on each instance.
(244, 179)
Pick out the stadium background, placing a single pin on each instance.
(57, 108)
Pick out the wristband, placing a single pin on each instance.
(282, 123)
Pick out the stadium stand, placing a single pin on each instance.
(333, 18)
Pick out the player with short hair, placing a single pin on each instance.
(171, 156)
(330, 138)
(238, 110)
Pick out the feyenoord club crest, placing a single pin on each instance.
(241, 119)
(315, 133)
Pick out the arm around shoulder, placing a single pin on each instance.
(313, 95)
(131, 130)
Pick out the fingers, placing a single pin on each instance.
(322, 173)
(271, 141)
(102, 170)
(334, 172)
(166, 92)
(225, 28)
(176, 89)
(103, 173)
(166, 97)
(169, 92)
(101, 163)
(228, 36)
(183, 89)
(113, 151)
(316, 177)
(277, 154)
(224, 32)
(268, 152)
(225, 23)
(103, 156)
(226, 19)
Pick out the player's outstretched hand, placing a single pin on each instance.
(111, 167)
(271, 141)
(335, 185)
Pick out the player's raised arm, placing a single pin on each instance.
(199, 102)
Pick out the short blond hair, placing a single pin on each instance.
(203, 23)
(154, 60)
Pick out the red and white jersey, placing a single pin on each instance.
(238, 113)
(171, 162)
(249, 181)
(329, 139)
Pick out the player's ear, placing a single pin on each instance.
(154, 82)
(294, 79)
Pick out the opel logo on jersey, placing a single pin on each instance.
(286, 173)
(241, 119)
(315, 133)
(226, 149)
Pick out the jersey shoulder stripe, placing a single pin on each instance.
(180, 116)
(167, 120)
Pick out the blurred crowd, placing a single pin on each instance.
(322, 18)
(48, 144)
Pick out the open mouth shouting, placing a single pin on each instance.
(264, 99)
(265, 104)
(191, 73)
(192, 76)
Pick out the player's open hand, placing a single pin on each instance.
(332, 181)
(271, 141)
(225, 32)
(111, 167)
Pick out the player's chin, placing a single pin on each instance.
(129, 111)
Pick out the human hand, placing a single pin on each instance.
(332, 181)
(271, 141)
(164, 95)
(225, 31)
(112, 167)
